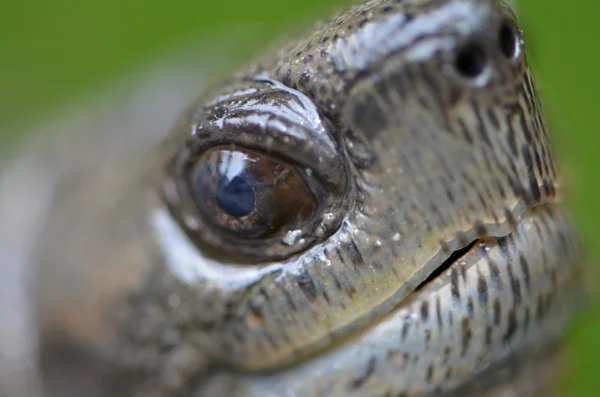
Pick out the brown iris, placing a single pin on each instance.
(249, 194)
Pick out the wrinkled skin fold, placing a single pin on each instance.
(436, 258)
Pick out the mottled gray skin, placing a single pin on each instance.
(141, 296)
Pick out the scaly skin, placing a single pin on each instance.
(420, 160)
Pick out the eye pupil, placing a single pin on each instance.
(235, 196)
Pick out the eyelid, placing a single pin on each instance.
(267, 116)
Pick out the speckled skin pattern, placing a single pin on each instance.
(421, 160)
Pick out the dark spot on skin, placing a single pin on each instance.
(424, 311)
(480, 126)
(230, 311)
(467, 334)
(305, 282)
(287, 79)
(447, 352)
(264, 294)
(358, 382)
(495, 273)
(336, 281)
(484, 205)
(454, 284)
(454, 96)
(444, 247)
(350, 290)
(392, 354)
(218, 112)
(549, 188)
(405, 327)
(470, 307)
(325, 296)
(482, 290)
(526, 154)
(493, 119)
(449, 194)
(510, 218)
(534, 188)
(515, 286)
(537, 158)
(352, 253)
(430, 371)
(503, 244)
(488, 335)
(480, 228)
(500, 189)
(304, 78)
(518, 190)
(525, 128)
(308, 59)
(288, 298)
(255, 310)
(497, 312)
(367, 116)
(465, 131)
(511, 327)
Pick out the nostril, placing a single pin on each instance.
(508, 40)
(471, 60)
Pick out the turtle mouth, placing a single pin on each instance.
(448, 263)
(492, 302)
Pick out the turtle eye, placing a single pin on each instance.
(248, 205)
(249, 195)
(259, 178)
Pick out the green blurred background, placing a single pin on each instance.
(54, 51)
